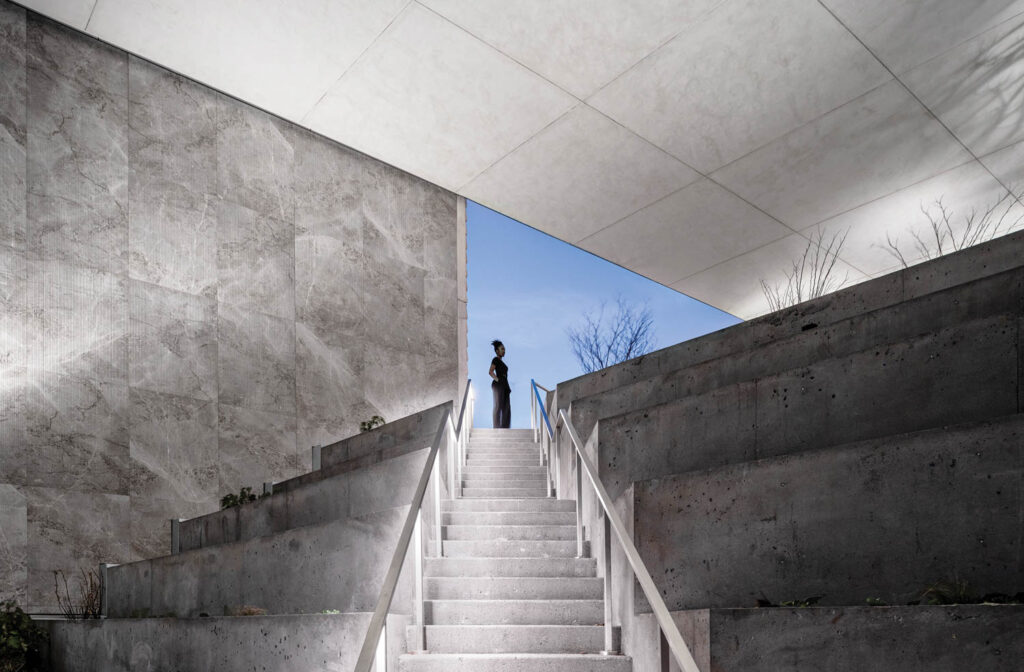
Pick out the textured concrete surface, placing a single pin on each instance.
(337, 565)
(883, 518)
(847, 639)
(192, 293)
(266, 643)
(296, 504)
(984, 260)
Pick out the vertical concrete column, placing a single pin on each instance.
(175, 536)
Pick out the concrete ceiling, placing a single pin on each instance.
(696, 142)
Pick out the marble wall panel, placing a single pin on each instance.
(13, 544)
(328, 292)
(77, 321)
(13, 317)
(77, 433)
(77, 139)
(173, 447)
(172, 342)
(394, 303)
(255, 447)
(256, 360)
(394, 381)
(255, 261)
(329, 381)
(172, 137)
(174, 247)
(71, 530)
(13, 96)
(254, 160)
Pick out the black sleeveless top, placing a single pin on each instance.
(501, 371)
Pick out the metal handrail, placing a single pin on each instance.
(373, 651)
(540, 403)
(669, 631)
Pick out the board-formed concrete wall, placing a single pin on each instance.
(192, 293)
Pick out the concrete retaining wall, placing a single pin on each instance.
(981, 261)
(854, 639)
(265, 643)
(963, 372)
(882, 518)
(310, 501)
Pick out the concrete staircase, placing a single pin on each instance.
(509, 593)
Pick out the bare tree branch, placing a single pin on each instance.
(599, 342)
(811, 275)
(940, 236)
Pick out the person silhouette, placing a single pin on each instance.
(502, 415)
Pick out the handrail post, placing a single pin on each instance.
(380, 659)
(437, 508)
(533, 411)
(609, 644)
(547, 441)
(579, 509)
(419, 643)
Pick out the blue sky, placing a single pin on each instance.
(526, 288)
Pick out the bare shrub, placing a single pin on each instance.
(942, 235)
(88, 603)
(811, 275)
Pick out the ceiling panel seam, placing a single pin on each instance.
(358, 58)
(931, 113)
(689, 28)
(91, 12)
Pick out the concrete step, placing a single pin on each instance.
(499, 532)
(495, 451)
(513, 588)
(514, 612)
(528, 474)
(468, 567)
(509, 518)
(502, 461)
(491, 493)
(515, 638)
(504, 469)
(512, 549)
(513, 662)
(506, 504)
(509, 481)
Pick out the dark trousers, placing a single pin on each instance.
(502, 415)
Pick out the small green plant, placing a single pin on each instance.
(244, 496)
(245, 610)
(876, 602)
(367, 425)
(21, 640)
(89, 595)
(802, 604)
(955, 591)
(331, 611)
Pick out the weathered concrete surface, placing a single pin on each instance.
(413, 432)
(265, 643)
(964, 372)
(337, 565)
(845, 639)
(984, 260)
(880, 518)
(300, 502)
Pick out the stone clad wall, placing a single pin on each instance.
(192, 293)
